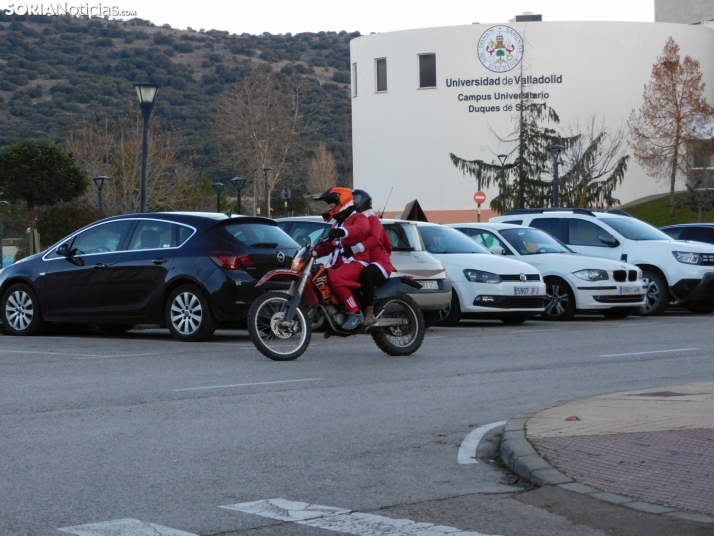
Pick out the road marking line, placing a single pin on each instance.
(341, 520)
(124, 527)
(651, 352)
(78, 356)
(245, 384)
(531, 330)
(637, 325)
(467, 450)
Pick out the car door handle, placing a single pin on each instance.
(159, 261)
(99, 266)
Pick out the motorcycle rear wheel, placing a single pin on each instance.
(270, 337)
(406, 338)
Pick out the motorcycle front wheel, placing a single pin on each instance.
(272, 336)
(405, 338)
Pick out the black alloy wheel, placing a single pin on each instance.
(560, 300)
(451, 315)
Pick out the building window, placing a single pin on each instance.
(354, 79)
(427, 70)
(381, 65)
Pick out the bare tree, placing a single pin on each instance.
(264, 120)
(597, 163)
(321, 171)
(672, 108)
(112, 147)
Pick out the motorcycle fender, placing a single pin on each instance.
(390, 288)
(279, 275)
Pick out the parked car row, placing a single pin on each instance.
(196, 272)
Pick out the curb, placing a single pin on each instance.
(520, 457)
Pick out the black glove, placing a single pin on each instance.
(348, 252)
(336, 233)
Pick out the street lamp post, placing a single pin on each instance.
(99, 181)
(2, 204)
(147, 94)
(238, 182)
(478, 180)
(218, 188)
(267, 192)
(555, 150)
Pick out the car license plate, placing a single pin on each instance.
(630, 289)
(429, 285)
(525, 291)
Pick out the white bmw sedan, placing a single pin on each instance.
(574, 282)
(483, 285)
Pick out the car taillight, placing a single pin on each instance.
(231, 261)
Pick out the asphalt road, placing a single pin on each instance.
(95, 429)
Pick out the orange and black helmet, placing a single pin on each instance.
(339, 201)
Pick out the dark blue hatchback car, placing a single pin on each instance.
(191, 272)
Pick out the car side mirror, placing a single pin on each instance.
(609, 240)
(63, 250)
(497, 250)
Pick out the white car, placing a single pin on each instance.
(484, 285)
(676, 272)
(408, 258)
(573, 282)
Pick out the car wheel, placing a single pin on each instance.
(188, 315)
(657, 297)
(618, 312)
(560, 300)
(514, 320)
(20, 311)
(451, 315)
(703, 307)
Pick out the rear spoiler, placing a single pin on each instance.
(240, 219)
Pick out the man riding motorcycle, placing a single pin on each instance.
(379, 247)
(350, 228)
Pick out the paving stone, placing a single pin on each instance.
(649, 508)
(514, 424)
(549, 477)
(513, 434)
(577, 487)
(613, 498)
(525, 465)
(701, 518)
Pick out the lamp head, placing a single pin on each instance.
(556, 149)
(3, 203)
(99, 181)
(218, 187)
(238, 182)
(146, 93)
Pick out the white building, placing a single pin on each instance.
(419, 95)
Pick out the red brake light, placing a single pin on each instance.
(231, 261)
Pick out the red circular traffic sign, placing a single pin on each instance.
(480, 197)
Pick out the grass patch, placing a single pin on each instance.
(656, 212)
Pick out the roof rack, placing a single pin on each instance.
(551, 209)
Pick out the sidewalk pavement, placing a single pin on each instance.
(650, 450)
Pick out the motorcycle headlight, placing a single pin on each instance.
(687, 258)
(592, 275)
(477, 276)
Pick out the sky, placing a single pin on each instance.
(365, 16)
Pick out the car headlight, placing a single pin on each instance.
(477, 276)
(687, 258)
(592, 275)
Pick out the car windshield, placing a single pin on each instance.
(634, 229)
(532, 241)
(259, 235)
(439, 239)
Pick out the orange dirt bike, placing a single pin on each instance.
(281, 323)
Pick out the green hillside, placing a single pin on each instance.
(656, 212)
(56, 70)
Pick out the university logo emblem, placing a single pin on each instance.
(500, 49)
